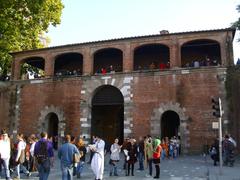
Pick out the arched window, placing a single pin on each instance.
(151, 56)
(108, 61)
(32, 68)
(68, 64)
(200, 52)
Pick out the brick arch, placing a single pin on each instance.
(150, 43)
(185, 41)
(89, 88)
(61, 118)
(156, 117)
(23, 60)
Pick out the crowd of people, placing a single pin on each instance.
(202, 62)
(36, 153)
(228, 147)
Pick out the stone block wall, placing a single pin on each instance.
(147, 95)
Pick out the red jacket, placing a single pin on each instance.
(157, 152)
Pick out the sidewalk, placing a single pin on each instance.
(182, 168)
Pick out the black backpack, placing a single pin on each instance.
(42, 153)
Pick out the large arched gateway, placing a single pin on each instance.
(108, 113)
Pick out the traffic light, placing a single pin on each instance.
(216, 107)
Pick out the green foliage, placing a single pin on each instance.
(232, 85)
(21, 24)
(237, 23)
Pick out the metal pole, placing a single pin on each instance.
(220, 138)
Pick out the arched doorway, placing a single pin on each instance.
(170, 123)
(52, 128)
(108, 113)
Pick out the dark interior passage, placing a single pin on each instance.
(170, 124)
(53, 128)
(108, 122)
(108, 114)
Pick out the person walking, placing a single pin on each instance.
(214, 152)
(97, 163)
(20, 156)
(43, 152)
(82, 150)
(5, 150)
(140, 153)
(149, 154)
(132, 156)
(114, 157)
(66, 154)
(156, 156)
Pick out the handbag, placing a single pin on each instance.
(76, 158)
(21, 159)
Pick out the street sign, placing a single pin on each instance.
(215, 125)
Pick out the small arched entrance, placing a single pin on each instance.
(108, 113)
(52, 128)
(170, 123)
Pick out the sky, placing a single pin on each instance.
(93, 20)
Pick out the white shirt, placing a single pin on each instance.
(32, 149)
(5, 148)
(21, 146)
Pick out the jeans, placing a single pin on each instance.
(44, 170)
(5, 164)
(113, 169)
(80, 167)
(67, 172)
(150, 162)
(22, 168)
(141, 159)
(163, 154)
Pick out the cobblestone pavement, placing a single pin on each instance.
(182, 168)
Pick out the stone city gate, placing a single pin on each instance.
(124, 85)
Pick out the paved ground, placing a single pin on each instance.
(183, 168)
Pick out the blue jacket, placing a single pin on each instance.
(66, 152)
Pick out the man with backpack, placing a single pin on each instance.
(43, 152)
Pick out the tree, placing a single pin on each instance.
(21, 24)
(237, 23)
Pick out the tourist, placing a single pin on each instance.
(214, 152)
(82, 150)
(149, 153)
(66, 154)
(97, 162)
(5, 150)
(43, 152)
(140, 153)
(114, 157)
(32, 141)
(156, 156)
(228, 151)
(91, 152)
(132, 156)
(164, 149)
(20, 156)
(124, 148)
